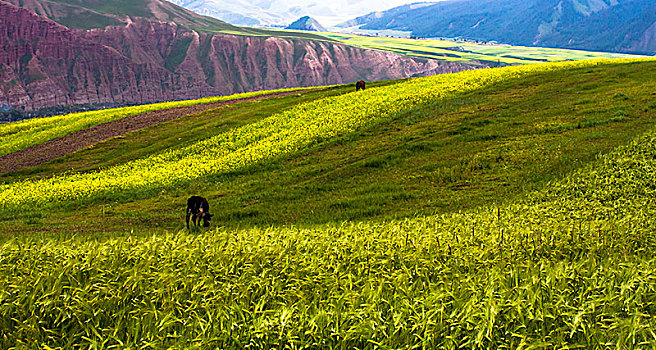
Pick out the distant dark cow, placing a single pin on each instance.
(359, 85)
(197, 209)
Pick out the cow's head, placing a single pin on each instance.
(206, 219)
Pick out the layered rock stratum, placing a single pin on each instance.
(46, 64)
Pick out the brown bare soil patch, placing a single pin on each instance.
(59, 147)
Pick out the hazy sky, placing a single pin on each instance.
(331, 12)
(284, 12)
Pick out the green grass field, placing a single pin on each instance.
(469, 52)
(509, 208)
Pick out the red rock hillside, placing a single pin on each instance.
(45, 64)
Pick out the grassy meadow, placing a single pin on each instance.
(504, 208)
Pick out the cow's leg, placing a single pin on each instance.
(187, 219)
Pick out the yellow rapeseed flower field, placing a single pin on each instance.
(278, 135)
(23, 134)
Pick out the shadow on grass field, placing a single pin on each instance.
(481, 148)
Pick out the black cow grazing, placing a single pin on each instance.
(359, 85)
(198, 208)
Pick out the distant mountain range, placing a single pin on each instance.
(376, 15)
(282, 12)
(238, 12)
(113, 52)
(605, 25)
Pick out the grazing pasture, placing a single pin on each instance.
(504, 208)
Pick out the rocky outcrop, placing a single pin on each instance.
(44, 64)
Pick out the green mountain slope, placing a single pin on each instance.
(555, 259)
(90, 14)
(603, 25)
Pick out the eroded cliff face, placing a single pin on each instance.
(44, 64)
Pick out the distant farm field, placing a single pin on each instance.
(470, 52)
(499, 208)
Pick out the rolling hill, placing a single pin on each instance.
(602, 25)
(489, 208)
(396, 97)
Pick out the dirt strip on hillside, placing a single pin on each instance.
(59, 147)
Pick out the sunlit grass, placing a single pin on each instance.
(23, 134)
